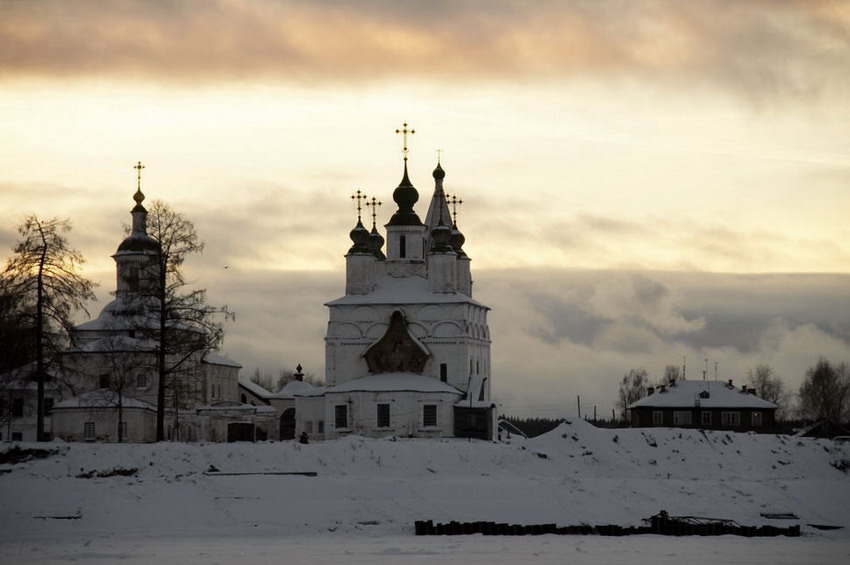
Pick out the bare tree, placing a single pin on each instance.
(672, 373)
(825, 392)
(188, 327)
(44, 273)
(632, 388)
(769, 387)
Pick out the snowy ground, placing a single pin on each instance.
(361, 506)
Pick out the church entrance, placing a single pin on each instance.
(287, 424)
(240, 431)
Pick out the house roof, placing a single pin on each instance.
(403, 290)
(394, 382)
(688, 394)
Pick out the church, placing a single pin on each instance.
(407, 349)
(104, 386)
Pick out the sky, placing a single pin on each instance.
(644, 183)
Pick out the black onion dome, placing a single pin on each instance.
(441, 239)
(439, 173)
(376, 244)
(360, 236)
(405, 196)
(457, 241)
(139, 243)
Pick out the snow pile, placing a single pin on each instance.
(574, 474)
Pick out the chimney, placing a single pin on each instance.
(650, 391)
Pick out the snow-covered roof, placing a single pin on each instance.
(247, 408)
(685, 394)
(394, 382)
(124, 314)
(254, 389)
(293, 389)
(214, 358)
(403, 290)
(117, 343)
(102, 398)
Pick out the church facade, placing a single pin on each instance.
(407, 349)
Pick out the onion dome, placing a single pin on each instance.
(439, 173)
(360, 236)
(441, 237)
(457, 240)
(376, 244)
(405, 195)
(139, 241)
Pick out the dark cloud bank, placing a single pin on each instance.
(558, 333)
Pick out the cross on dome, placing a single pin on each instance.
(138, 197)
(358, 196)
(404, 132)
(454, 201)
(374, 205)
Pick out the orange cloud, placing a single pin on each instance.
(770, 46)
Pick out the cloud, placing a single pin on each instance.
(762, 48)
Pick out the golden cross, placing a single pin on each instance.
(358, 196)
(404, 131)
(455, 202)
(138, 166)
(373, 204)
(439, 154)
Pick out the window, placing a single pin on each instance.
(244, 399)
(402, 246)
(141, 381)
(48, 406)
(682, 418)
(705, 418)
(321, 426)
(133, 277)
(88, 430)
(444, 372)
(657, 417)
(429, 415)
(756, 419)
(383, 415)
(103, 381)
(340, 416)
(17, 407)
(17, 436)
(731, 418)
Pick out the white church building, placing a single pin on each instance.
(407, 349)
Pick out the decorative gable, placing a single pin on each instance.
(397, 351)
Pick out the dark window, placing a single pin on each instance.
(88, 430)
(429, 415)
(48, 405)
(340, 416)
(706, 418)
(17, 436)
(103, 381)
(132, 333)
(17, 407)
(244, 399)
(321, 427)
(756, 419)
(444, 372)
(141, 381)
(402, 246)
(383, 415)
(730, 418)
(133, 277)
(657, 417)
